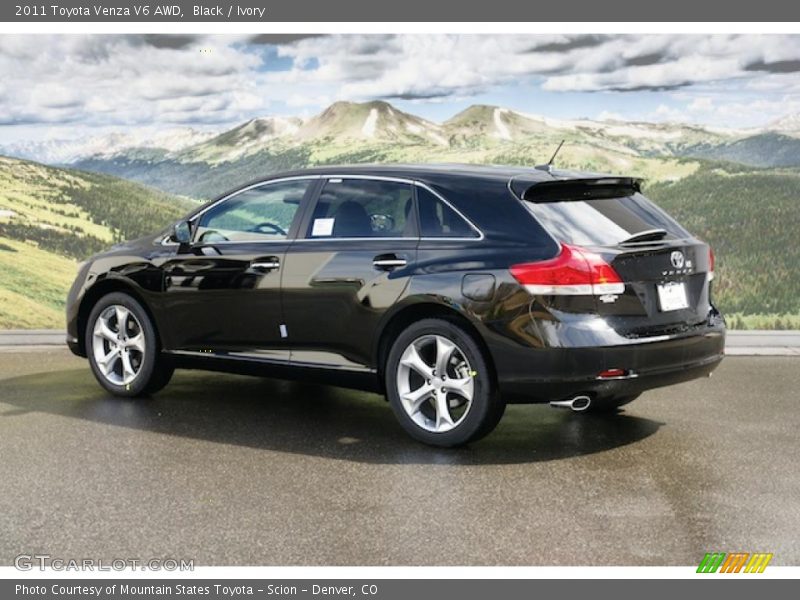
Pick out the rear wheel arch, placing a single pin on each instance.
(412, 313)
(101, 289)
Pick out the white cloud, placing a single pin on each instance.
(608, 115)
(667, 113)
(304, 100)
(702, 104)
(102, 81)
(417, 65)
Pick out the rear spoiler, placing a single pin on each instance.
(597, 188)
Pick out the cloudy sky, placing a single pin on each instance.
(67, 85)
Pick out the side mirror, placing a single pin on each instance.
(182, 232)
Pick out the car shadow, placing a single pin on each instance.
(310, 419)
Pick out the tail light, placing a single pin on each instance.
(613, 373)
(711, 260)
(575, 271)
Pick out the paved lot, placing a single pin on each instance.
(235, 470)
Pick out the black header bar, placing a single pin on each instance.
(271, 11)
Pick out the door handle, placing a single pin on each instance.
(266, 264)
(387, 262)
(188, 267)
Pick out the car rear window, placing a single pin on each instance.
(603, 222)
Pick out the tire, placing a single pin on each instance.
(134, 365)
(464, 412)
(606, 406)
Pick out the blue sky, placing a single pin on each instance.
(77, 85)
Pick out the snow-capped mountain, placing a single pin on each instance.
(380, 131)
(789, 125)
(106, 145)
(243, 140)
(342, 122)
(496, 123)
(370, 121)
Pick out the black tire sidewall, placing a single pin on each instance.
(140, 384)
(485, 398)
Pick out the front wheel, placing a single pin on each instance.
(122, 347)
(440, 385)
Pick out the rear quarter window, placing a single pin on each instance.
(437, 219)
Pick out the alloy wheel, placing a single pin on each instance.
(435, 383)
(118, 344)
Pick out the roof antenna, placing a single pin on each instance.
(549, 165)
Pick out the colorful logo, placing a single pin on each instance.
(734, 562)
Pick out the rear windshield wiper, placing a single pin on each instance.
(648, 235)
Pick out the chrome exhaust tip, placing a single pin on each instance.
(577, 404)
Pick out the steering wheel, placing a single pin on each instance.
(212, 236)
(267, 227)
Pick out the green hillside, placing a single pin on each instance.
(751, 218)
(764, 150)
(50, 219)
(207, 180)
(198, 179)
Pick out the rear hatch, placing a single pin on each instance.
(665, 270)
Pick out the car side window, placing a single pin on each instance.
(263, 213)
(437, 219)
(363, 208)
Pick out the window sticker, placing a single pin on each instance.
(322, 227)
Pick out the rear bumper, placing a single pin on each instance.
(560, 373)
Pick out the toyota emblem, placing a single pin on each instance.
(676, 258)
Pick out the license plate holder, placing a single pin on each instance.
(672, 296)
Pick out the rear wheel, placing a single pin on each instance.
(122, 347)
(440, 385)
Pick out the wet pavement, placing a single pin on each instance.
(232, 470)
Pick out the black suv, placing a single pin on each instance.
(453, 289)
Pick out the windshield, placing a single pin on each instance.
(605, 222)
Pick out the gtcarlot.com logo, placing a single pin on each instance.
(28, 562)
(734, 562)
